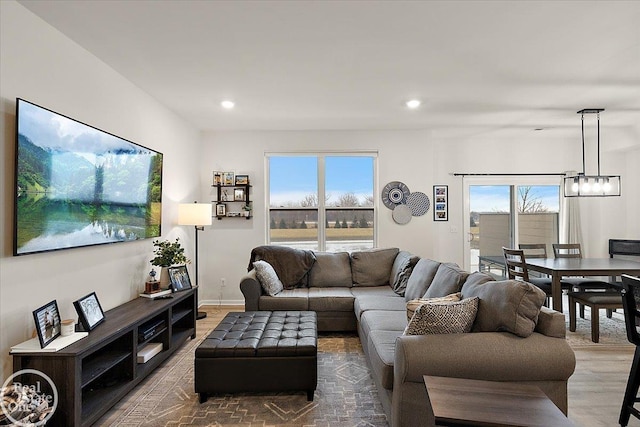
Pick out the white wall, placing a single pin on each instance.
(41, 65)
(413, 157)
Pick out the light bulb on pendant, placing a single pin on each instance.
(607, 185)
(576, 185)
(586, 186)
(596, 186)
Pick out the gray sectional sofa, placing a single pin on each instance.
(513, 339)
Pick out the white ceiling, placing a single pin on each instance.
(480, 67)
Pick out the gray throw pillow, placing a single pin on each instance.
(372, 268)
(268, 278)
(506, 305)
(331, 270)
(401, 270)
(443, 318)
(420, 279)
(448, 280)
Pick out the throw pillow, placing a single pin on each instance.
(448, 279)
(401, 270)
(443, 318)
(268, 278)
(506, 305)
(420, 279)
(371, 268)
(413, 305)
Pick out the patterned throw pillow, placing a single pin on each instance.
(268, 278)
(413, 305)
(443, 318)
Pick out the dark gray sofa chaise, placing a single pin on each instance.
(355, 292)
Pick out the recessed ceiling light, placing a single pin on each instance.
(414, 103)
(228, 104)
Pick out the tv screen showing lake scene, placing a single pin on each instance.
(77, 185)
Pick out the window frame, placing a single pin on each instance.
(321, 175)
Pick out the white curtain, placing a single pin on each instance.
(571, 231)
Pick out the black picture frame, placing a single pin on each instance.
(89, 311)
(47, 320)
(179, 278)
(238, 194)
(441, 203)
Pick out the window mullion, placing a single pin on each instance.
(322, 214)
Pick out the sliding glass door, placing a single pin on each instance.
(504, 212)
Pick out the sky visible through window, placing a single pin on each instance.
(495, 198)
(292, 178)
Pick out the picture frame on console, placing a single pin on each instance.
(179, 278)
(90, 313)
(47, 320)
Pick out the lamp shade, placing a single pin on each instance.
(194, 214)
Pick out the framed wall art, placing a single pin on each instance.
(47, 320)
(441, 203)
(242, 179)
(227, 178)
(89, 311)
(221, 209)
(238, 194)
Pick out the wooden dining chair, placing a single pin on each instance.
(630, 298)
(536, 250)
(516, 265)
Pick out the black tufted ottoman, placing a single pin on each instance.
(259, 351)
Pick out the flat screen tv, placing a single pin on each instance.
(76, 185)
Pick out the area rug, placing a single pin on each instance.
(346, 395)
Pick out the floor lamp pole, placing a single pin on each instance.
(201, 314)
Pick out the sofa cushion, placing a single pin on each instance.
(443, 318)
(506, 305)
(420, 279)
(401, 270)
(413, 305)
(382, 346)
(330, 299)
(268, 278)
(372, 268)
(448, 280)
(331, 269)
(383, 291)
(375, 302)
(289, 299)
(380, 320)
(478, 278)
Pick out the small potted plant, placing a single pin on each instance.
(168, 254)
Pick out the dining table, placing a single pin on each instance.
(558, 268)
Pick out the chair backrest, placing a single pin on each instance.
(567, 250)
(534, 250)
(516, 264)
(624, 247)
(630, 299)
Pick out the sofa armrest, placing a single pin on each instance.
(551, 323)
(492, 356)
(251, 290)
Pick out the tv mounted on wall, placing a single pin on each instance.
(76, 185)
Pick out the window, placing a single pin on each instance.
(322, 202)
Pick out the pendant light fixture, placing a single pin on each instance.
(583, 185)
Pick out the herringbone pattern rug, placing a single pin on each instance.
(346, 395)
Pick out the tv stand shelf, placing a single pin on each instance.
(94, 373)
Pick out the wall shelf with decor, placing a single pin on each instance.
(233, 201)
(94, 373)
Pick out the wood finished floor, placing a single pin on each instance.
(595, 389)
